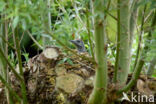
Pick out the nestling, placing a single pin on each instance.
(79, 45)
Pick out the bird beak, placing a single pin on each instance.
(72, 41)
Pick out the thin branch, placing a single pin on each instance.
(107, 9)
(111, 15)
(7, 79)
(134, 77)
(18, 52)
(11, 67)
(30, 35)
(7, 42)
(118, 43)
(89, 34)
(22, 37)
(140, 38)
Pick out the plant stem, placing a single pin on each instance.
(89, 34)
(30, 35)
(7, 42)
(134, 77)
(11, 67)
(8, 94)
(18, 52)
(140, 39)
(118, 43)
(46, 16)
(140, 62)
(107, 9)
(123, 63)
(99, 94)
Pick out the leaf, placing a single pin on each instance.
(2, 5)
(24, 25)
(26, 56)
(70, 61)
(15, 21)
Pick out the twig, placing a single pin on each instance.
(118, 43)
(30, 35)
(107, 9)
(18, 52)
(11, 67)
(7, 42)
(140, 39)
(89, 34)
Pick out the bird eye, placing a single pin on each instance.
(78, 41)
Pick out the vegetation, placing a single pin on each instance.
(116, 33)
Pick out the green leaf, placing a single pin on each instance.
(24, 24)
(2, 5)
(70, 61)
(26, 56)
(15, 21)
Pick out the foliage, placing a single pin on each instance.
(69, 22)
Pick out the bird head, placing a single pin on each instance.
(79, 45)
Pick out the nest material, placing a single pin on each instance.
(55, 78)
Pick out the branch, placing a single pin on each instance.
(89, 33)
(140, 39)
(134, 77)
(18, 52)
(11, 67)
(30, 35)
(118, 44)
(140, 63)
(7, 42)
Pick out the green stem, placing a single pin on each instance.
(7, 42)
(30, 35)
(140, 39)
(18, 52)
(140, 63)
(9, 64)
(89, 34)
(8, 94)
(123, 57)
(99, 94)
(107, 9)
(118, 43)
(134, 77)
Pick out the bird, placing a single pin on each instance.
(79, 45)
